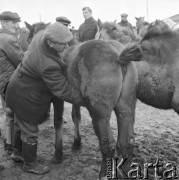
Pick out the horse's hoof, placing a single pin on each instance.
(56, 160)
(76, 146)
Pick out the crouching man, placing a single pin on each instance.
(36, 81)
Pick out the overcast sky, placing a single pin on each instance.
(106, 10)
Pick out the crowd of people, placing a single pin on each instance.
(31, 78)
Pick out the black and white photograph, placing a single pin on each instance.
(89, 89)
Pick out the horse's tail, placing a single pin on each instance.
(132, 52)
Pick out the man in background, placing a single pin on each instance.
(11, 55)
(88, 29)
(63, 20)
(124, 22)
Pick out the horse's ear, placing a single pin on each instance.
(28, 26)
(115, 21)
(137, 18)
(99, 24)
(47, 24)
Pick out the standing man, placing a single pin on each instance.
(124, 22)
(33, 86)
(11, 55)
(88, 29)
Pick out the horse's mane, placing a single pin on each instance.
(117, 32)
(160, 47)
(112, 30)
(38, 26)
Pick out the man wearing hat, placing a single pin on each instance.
(34, 84)
(11, 55)
(124, 22)
(62, 19)
(65, 21)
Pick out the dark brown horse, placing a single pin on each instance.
(34, 28)
(158, 71)
(107, 80)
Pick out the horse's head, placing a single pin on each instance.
(140, 22)
(112, 31)
(108, 31)
(160, 43)
(34, 28)
(158, 27)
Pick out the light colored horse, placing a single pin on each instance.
(141, 26)
(111, 30)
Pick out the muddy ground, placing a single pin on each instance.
(156, 136)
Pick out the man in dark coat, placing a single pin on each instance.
(33, 86)
(124, 22)
(11, 55)
(88, 29)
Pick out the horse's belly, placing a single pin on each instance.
(155, 91)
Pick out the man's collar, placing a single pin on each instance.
(88, 19)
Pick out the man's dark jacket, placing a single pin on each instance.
(87, 30)
(126, 24)
(11, 55)
(36, 80)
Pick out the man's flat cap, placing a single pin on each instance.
(11, 16)
(63, 20)
(124, 15)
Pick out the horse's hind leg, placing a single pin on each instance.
(175, 99)
(76, 116)
(58, 125)
(101, 124)
(125, 121)
(125, 113)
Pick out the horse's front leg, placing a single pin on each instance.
(76, 116)
(58, 106)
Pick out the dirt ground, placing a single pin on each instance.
(156, 136)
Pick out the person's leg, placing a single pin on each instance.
(1, 167)
(8, 126)
(17, 143)
(29, 136)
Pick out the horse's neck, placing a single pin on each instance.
(139, 25)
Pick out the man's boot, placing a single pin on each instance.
(29, 151)
(17, 145)
(1, 167)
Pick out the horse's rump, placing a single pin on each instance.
(90, 59)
